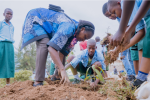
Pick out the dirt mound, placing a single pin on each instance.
(55, 91)
(25, 91)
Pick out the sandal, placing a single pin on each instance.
(39, 84)
(54, 78)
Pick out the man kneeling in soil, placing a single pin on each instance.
(87, 58)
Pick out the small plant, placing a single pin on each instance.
(99, 75)
(23, 75)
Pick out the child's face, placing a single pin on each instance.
(91, 49)
(110, 16)
(84, 35)
(116, 10)
(8, 15)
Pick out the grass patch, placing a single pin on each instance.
(121, 90)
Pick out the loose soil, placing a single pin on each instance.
(55, 91)
(113, 54)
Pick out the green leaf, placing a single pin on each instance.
(87, 71)
(87, 78)
(100, 77)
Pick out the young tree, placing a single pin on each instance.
(26, 58)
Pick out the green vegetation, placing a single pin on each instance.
(118, 89)
(22, 75)
(26, 58)
(99, 75)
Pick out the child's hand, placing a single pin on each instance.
(117, 38)
(97, 64)
(126, 39)
(93, 84)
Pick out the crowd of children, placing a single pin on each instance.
(56, 33)
(131, 14)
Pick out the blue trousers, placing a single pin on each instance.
(126, 62)
(131, 62)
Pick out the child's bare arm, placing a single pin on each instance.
(126, 13)
(140, 14)
(137, 37)
(114, 54)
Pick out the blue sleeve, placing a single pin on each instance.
(141, 24)
(76, 60)
(60, 38)
(101, 60)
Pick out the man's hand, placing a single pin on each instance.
(93, 84)
(117, 38)
(65, 79)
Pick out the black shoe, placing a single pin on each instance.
(130, 77)
(76, 81)
(136, 83)
(39, 84)
(54, 78)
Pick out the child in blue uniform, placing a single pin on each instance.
(7, 66)
(122, 33)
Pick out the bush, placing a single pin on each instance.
(23, 75)
(2, 82)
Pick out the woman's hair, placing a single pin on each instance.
(87, 25)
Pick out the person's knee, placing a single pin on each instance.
(70, 58)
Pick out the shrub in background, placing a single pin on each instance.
(23, 75)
